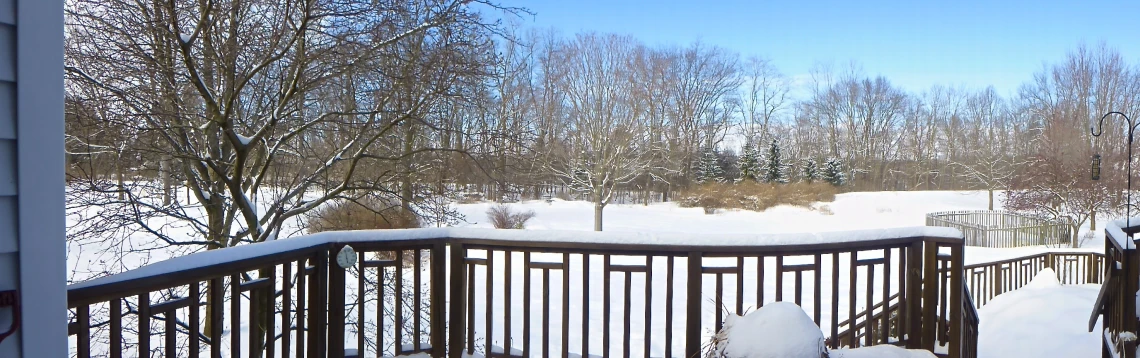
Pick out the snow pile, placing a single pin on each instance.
(1045, 279)
(1042, 319)
(777, 330)
(784, 330)
(883, 351)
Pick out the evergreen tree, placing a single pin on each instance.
(708, 169)
(775, 170)
(809, 171)
(750, 163)
(833, 172)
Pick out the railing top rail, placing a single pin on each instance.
(1033, 256)
(213, 263)
(1115, 234)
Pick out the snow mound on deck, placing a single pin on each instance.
(777, 330)
(883, 351)
(1046, 278)
(1042, 319)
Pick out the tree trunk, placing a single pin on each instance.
(119, 175)
(598, 216)
(991, 199)
(1092, 221)
(1076, 239)
(164, 169)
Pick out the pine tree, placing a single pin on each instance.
(809, 171)
(833, 172)
(750, 163)
(708, 169)
(775, 170)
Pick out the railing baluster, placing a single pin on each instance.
(586, 305)
(398, 295)
(668, 306)
(739, 287)
(359, 304)
(216, 290)
(851, 289)
(438, 296)
(286, 308)
(302, 293)
(268, 313)
(606, 323)
(648, 325)
(336, 304)
(235, 315)
(417, 311)
(144, 324)
(759, 282)
(470, 309)
(380, 271)
(456, 326)
(834, 300)
(83, 338)
(565, 305)
(884, 331)
(117, 328)
(490, 301)
(194, 338)
(507, 308)
(526, 303)
(693, 306)
(545, 312)
(170, 332)
(817, 309)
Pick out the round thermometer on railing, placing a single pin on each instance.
(346, 257)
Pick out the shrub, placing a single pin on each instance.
(504, 218)
(749, 195)
(359, 215)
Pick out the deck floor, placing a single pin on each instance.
(1040, 320)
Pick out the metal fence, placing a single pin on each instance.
(1002, 229)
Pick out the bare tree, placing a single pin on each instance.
(605, 127)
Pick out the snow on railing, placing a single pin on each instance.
(657, 241)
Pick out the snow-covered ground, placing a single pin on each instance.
(849, 211)
(1042, 319)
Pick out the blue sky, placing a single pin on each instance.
(915, 43)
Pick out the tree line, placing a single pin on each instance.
(233, 117)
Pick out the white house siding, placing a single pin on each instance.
(32, 250)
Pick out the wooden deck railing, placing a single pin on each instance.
(525, 293)
(1116, 302)
(987, 280)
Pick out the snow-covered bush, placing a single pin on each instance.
(504, 218)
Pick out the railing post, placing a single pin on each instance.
(318, 295)
(998, 285)
(457, 324)
(955, 289)
(929, 296)
(336, 282)
(914, 296)
(1129, 282)
(438, 297)
(693, 307)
